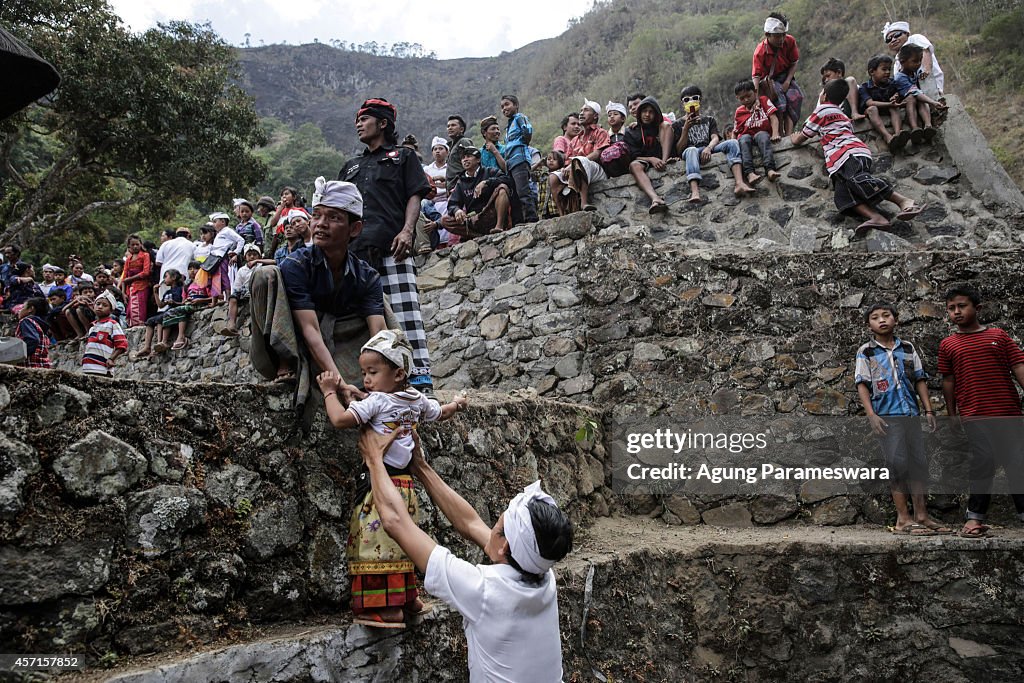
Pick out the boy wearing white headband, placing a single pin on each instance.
(774, 65)
(383, 581)
(509, 607)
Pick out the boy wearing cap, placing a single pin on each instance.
(483, 201)
(106, 340)
(492, 153)
(392, 184)
(383, 577)
(240, 288)
(616, 114)
(518, 134)
(47, 284)
(437, 171)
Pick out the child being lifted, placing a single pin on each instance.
(383, 577)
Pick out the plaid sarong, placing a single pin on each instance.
(399, 280)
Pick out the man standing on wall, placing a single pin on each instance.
(392, 183)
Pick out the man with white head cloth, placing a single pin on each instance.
(509, 607)
(896, 34)
(570, 185)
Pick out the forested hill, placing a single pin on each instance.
(656, 46)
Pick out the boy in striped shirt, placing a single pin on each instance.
(979, 365)
(848, 162)
(106, 339)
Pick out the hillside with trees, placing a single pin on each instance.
(654, 46)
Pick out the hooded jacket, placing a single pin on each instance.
(643, 141)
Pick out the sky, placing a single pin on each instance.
(485, 30)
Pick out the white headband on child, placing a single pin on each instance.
(522, 539)
(773, 25)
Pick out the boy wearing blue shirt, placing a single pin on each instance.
(919, 105)
(518, 135)
(890, 379)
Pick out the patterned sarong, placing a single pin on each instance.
(382, 574)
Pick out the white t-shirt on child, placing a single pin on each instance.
(387, 412)
(511, 626)
(240, 286)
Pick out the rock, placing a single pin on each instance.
(516, 242)
(683, 509)
(799, 172)
(230, 485)
(568, 366)
(328, 565)
(731, 515)
(781, 215)
(99, 467)
(493, 326)
(816, 490)
(609, 332)
(577, 385)
(466, 250)
(936, 175)
(5, 397)
(878, 240)
(434, 277)
(274, 527)
(18, 461)
(563, 297)
(507, 290)
(803, 238)
(29, 576)
(644, 352)
(970, 648)
(719, 300)
(852, 300)
(770, 508)
(827, 402)
(158, 517)
(834, 512)
(558, 346)
(794, 193)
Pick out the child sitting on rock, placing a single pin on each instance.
(106, 340)
(79, 311)
(697, 139)
(879, 94)
(919, 105)
(240, 287)
(173, 296)
(383, 578)
(197, 296)
(834, 69)
(33, 330)
(848, 162)
(756, 121)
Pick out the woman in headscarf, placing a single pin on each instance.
(897, 34)
(510, 606)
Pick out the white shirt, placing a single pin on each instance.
(435, 172)
(241, 284)
(175, 254)
(511, 626)
(921, 41)
(226, 242)
(387, 412)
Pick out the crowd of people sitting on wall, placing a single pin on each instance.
(473, 189)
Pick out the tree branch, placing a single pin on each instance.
(57, 223)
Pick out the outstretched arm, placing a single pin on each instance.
(394, 515)
(453, 506)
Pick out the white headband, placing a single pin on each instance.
(593, 105)
(895, 26)
(392, 345)
(337, 194)
(615, 106)
(438, 142)
(773, 25)
(522, 539)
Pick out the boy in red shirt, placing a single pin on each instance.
(978, 364)
(774, 64)
(756, 121)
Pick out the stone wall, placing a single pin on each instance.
(138, 516)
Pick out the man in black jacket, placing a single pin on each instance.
(484, 200)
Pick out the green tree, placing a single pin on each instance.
(139, 120)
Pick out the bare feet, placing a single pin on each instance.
(694, 198)
(753, 179)
(742, 189)
(773, 175)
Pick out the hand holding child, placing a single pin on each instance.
(329, 381)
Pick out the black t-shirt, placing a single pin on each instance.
(699, 134)
(387, 178)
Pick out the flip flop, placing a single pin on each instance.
(917, 136)
(284, 377)
(914, 530)
(898, 141)
(868, 225)
(929, 134)
(980, 531)
(695, 200)
(180, 345)
(907, 214)
(229, 332)
(139, 355)
(427, 608)
(160, 347)
(939, 528)
(374, 620)
(589, 207)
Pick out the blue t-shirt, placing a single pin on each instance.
(890, 375)
(516, 132)
(908, 84)
(310, 285)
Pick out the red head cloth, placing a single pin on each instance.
(380, 108)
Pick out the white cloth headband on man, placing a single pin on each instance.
(337, 194)
(522, 539)
(438, 142)
(773, 25)
(895, 26)
(593, 105)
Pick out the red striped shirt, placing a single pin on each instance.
(980, 363)
(837, 138)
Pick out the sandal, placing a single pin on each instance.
(160, 347)
(229, 331)
(978, 531)
(284, 377)
(180, 345)
(914, 530)
(140, 355)
(870, 225)
(937, 527)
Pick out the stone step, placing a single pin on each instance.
(675, 603)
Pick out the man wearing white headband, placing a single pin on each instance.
(523, 546)
(897, 34)
(774, 64)
(435, 208)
